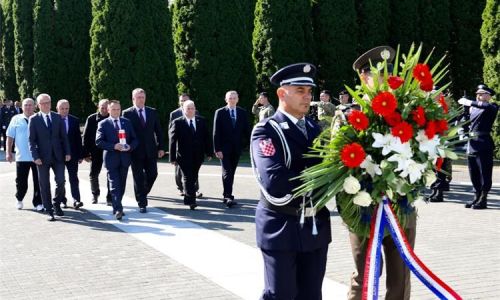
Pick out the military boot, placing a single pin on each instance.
(481, 204)
(469, 204)
(438, 196)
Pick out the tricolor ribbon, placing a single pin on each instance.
(385, 217)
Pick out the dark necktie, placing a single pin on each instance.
(141, 117)
(302, 126)
(49, 123)
(233, 117)
(65, 126)
(116, 125)
(191, 125)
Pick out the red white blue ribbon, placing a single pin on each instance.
(385, 217)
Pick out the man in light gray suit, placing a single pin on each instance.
(49, 147)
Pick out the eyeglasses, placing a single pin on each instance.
(43, 103)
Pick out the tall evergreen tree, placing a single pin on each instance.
(23, 45)
(490, 46)
(72, 62)
(282, 35)
(335, 36)
(435, 27)
(404, 27)
(43, 47)
(212, 41)
(466, 57)
(374, 20)
(8, 72)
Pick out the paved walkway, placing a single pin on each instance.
(175, 253)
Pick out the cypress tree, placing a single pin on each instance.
(374, 20)
(335, 35)
(404, 27)
(23, 45)
(8, 72)
(112, 46)
(466, 57)
(212, 43)
(282, 35)
(435, 27)
(72, 63)
(490, 46)
(43, 47)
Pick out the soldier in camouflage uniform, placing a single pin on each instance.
(262, 108)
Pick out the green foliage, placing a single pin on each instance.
(130, 48)
(404, 27)
(7, 73)
(72, 62)
(43, 47)
(435, 26)
(212, 43)
(335, 31)
(373, 20)
(282, 35)
(465, 56)
(23, 46)
(490, 46)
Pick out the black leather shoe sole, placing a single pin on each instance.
(77, 204)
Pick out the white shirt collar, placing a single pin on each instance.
(44, 115)
(292, 118)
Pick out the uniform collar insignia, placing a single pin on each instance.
(284, 125)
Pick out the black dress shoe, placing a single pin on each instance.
(77, 204)
(64, 204)
(119, 215)
(94, 201)
(230, 203)
(143, 210)
(51, 217)
(199, 195)
(193, 206)
(58, 211)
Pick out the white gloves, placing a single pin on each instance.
(464, 101)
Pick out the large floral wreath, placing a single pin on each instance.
(391, 146)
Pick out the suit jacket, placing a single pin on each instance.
(151, 136)
(6, 114)
(176, 114)
(275, 230)
(48, 145)
(184, 146)
(107, 137)
(226, 137)
(75, 137)
(482, 117)
(89, 133)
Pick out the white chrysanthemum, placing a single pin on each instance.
(362, 199)
(371, 167)
(351, 185)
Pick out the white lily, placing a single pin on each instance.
(371, 167)
(427, 145)
(383, 141)
(403, 160)
(413, 169)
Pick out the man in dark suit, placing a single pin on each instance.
(145, 121)
(49, 148)
(72, 128)
(481, 147)
(92, 153)
(177, 113)
(231, 130)
(294, 249)
(117, 151)
(18, 107)
(6, 113)
(189, 143)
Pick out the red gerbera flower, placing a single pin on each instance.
(352, 155)
(395, 82)
(403, 130)
(441, 126)
(384, 103)
(430, 129)
(421, 72)
(358, 120)
(439, 163)
(393, 119)
(443, 103)
(427, 85)
(418, 115)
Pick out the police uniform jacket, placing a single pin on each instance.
(275, 229)
(482, 117)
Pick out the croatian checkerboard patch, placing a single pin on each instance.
(266, 147)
